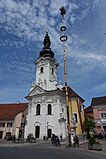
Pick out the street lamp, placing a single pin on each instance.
(63, 39)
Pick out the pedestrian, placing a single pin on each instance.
(76, 141)
(13, 139)
(57, 139)
(53, 139)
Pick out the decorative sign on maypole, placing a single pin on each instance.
(63, 39)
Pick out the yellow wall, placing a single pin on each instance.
(73, 108)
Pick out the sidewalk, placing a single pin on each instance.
(84, 146)
(5, 143)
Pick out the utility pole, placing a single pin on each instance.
(63, 39)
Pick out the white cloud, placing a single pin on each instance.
(100, 87)
(24, 19)
(91, 57)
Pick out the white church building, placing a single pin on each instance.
(47, 107)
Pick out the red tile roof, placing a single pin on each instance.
(98, 101)
(9, 111)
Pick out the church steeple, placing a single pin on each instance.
(46, 49)
(46, 67)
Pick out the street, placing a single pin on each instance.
(47, 151)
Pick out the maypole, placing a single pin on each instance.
(63, 39)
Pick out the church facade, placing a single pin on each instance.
(47, 113)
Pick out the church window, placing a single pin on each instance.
(38, 109)
(80, 108)
(49, 109)
(52, 70)
(75, 117)
(41, 70)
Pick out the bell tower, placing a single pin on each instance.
(46, 67)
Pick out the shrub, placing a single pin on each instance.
(92, 139)
(29, 137)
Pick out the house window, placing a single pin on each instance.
(41, 70)
(22, 125)
(2, 124)
(49, 109)
(38, 109)
(9, 125)
(75, 117)
(103, 115)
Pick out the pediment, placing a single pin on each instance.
(36, 90)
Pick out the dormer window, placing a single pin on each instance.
(41, 70)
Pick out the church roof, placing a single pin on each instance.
(71, 93)
(9, 111)
(46, 49)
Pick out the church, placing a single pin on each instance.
(47, 113)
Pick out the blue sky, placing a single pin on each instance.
(22, 30)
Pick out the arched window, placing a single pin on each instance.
(52, 70)
(75, 117)
(38, 109)
(49, 109)
(41, 70)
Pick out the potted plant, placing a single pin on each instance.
(93, 145)
(88, 126)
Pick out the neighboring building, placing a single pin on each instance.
(89, 112)
(47, 108)
(12, 119)
(76, 111)
(99, 111)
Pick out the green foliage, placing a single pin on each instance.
(88, 125)
(92, 139)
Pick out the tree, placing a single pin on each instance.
(88, 125)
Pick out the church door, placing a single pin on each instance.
(37, 131)
(1, 134)
(49, 132)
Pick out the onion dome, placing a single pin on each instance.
(46, 49)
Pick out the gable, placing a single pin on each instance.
(36, 90)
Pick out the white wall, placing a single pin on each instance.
(44, 120)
